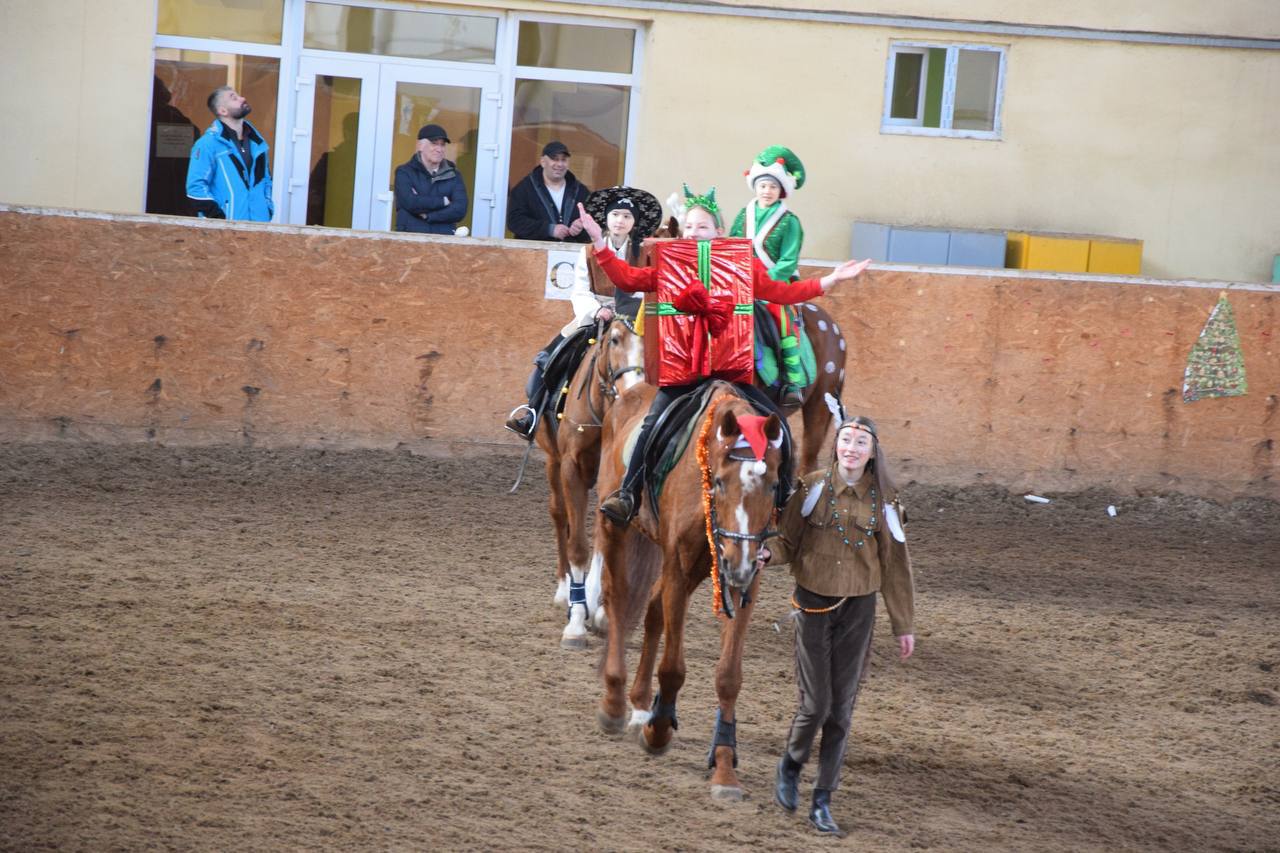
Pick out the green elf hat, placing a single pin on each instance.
(706, 202)
(781, 164)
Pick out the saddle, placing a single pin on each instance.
(561, 363)
(675, 428)
(768, 355)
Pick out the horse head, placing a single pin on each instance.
(622, 364)
(744, 467)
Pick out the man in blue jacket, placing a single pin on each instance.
(430, 195)
(229, 176)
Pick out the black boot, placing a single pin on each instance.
(523, 420)
(785, 783)
(820, 814)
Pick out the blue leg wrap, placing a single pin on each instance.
(664, 709)
(577, 595)
(726, 734)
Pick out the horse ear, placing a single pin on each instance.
(773, 430)
(729, 426)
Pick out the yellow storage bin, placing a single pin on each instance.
(1115, 257)
(1057, 253)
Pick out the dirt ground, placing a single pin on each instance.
(230, 649)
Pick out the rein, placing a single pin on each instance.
(721, 601)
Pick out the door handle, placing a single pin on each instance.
(386, 197)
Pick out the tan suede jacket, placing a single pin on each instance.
(820, 560)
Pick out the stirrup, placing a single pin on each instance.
(791, 395)
(619, 507)
(514, 421)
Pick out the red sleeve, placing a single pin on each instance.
(782, 292)
(625, 276)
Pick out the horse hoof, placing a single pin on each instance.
(728, 793)
(575, 643)
(610, 725)
(650, 748)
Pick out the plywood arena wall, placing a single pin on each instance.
(138, 329)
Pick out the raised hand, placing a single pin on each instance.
(844, 272)
(591, 227)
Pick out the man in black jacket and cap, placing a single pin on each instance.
(430, 195)
(544, 205)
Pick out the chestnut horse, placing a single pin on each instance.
(657, 562)
(614, 363)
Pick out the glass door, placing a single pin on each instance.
(465, 104)
(333, 139)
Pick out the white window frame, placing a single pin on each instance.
(894, 53)
(913, 127)
(291, 49)
(507, 59)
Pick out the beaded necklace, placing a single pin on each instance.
(864, 532)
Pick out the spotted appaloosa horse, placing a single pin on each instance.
(614, 363)
(829, 352)
(734, 464)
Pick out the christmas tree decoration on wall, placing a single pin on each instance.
(1215, 367)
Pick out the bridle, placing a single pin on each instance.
(719, 534)
(606, 380)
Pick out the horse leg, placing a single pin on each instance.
(642, 684)
(573, 492)
(558, 522)
(613, 704)
(657, 733)
(723, 757)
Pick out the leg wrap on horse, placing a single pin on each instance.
(577, 595)
(663, 709)
(726, 734)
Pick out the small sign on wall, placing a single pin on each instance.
(174, 140)
(560, 264)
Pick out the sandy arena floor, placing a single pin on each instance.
(243, 649)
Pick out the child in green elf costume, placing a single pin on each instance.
(777, 236)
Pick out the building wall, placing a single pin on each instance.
(146, 329)
(1242, 18)
(1168, 144)
(76, 100)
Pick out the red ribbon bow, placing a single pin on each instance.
(712, 313)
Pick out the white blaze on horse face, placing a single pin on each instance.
(634, 351)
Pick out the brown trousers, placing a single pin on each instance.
(831, 649)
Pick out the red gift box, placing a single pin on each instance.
(679, 348)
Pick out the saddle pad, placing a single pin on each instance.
(675, 430)
(767, 346)
(562, 363)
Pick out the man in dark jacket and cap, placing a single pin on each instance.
(430, 195)
(544, 205)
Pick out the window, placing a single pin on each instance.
(944, 90)
(590, 119)
(574, 81)
(236, 20)
(393, 32)
(548, 45)
(179, 113)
